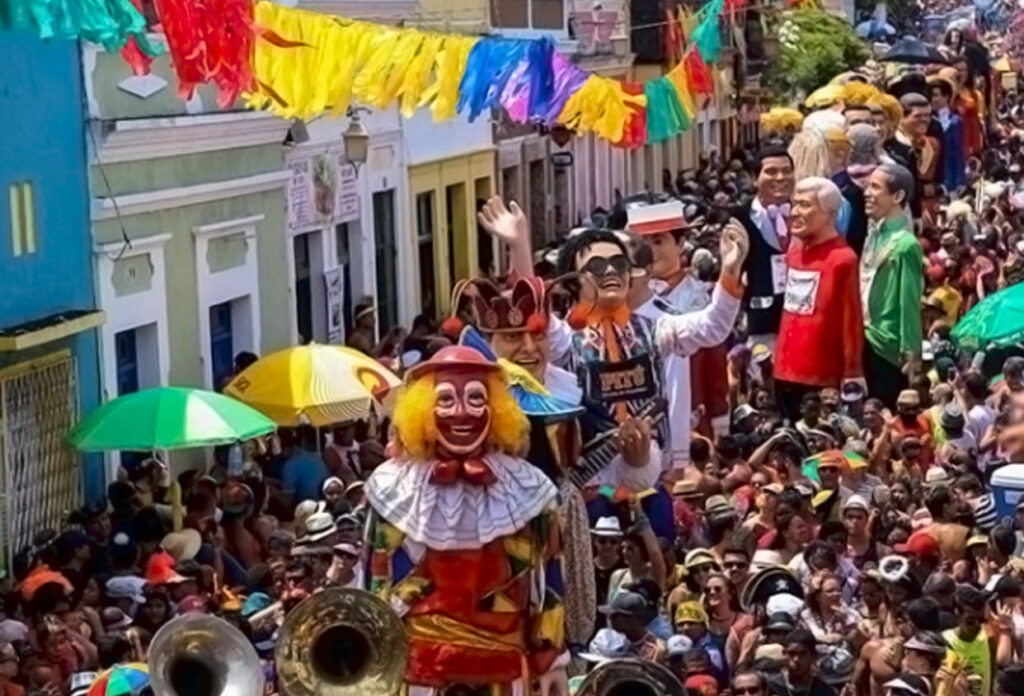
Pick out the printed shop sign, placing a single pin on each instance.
(322, 191)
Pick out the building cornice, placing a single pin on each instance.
(165, 199)
(382, 11)
(132, 140)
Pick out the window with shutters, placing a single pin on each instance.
(528, 14)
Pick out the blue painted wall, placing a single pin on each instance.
(42, 141)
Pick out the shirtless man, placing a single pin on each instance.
(880, 658)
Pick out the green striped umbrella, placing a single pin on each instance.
(168, 418)
(998, 320)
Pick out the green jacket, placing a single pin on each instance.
(892, 282)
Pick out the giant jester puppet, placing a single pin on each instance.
(465, 543)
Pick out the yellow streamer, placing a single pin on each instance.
(307, 63)
(677, 78)
(601, 106)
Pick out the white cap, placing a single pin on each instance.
(678, 645)
(605, 646)
(784, 603)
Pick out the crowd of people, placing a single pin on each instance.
(772, 461)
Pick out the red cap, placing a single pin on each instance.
(919, 544)
(703, 684)
(453, 357)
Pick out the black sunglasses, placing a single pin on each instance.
(598, 265)
(748, 691)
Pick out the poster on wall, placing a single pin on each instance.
(300, 194)
(348, 192)
(322, 191)
(335, 319)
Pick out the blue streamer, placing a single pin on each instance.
(490, 65)
(542, 77)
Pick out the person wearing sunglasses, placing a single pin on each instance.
(747, 683)
(617, 354)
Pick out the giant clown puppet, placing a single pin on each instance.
(465, 544)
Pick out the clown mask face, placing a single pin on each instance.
(462, 411)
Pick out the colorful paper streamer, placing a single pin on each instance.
(110, 23)
(302, 64)
(210, 41)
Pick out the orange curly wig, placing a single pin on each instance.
(416, 429)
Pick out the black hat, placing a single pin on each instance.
(770, 581)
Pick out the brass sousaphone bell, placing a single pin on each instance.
(341, 642)
(202, 655)
(631, 678)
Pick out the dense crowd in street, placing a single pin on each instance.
(796, 498)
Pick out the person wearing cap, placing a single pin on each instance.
(908, 685)
(677, 647)
(861, 545)
(767, 499)
(691, 620)
(700, 379)
(856, 475)
(628, 613)
(892, 282)
(458, 491)
(953, 422)
(911, 421)
(606, 645)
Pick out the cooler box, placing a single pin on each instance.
(1007, 488)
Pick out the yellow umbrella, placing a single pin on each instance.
(316, 385)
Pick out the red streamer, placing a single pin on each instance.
(134, 56)
(634, 134)
(210, 41)
(698, 74)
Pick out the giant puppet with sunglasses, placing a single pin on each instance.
(616, 354)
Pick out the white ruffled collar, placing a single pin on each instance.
(460, 516)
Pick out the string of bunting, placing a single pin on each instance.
(301, 64)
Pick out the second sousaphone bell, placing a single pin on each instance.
(631, 678)
(341, 642)
(202, 655)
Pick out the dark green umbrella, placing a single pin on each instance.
(168, 418)
(998, 320)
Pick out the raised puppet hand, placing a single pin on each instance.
(509, 224)
(734, 245)
(635, 442)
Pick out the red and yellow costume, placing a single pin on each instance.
(464, 534)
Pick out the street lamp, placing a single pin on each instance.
(356, 138)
